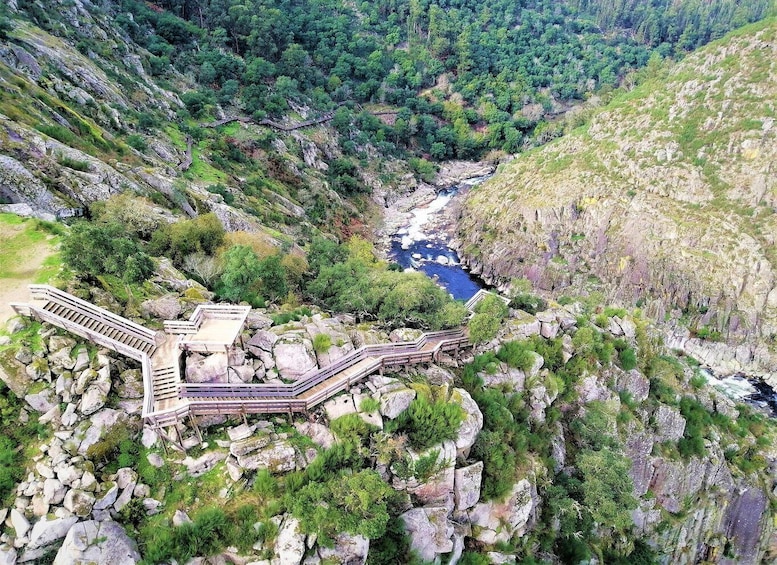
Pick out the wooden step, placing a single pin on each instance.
(54, 308)
(68, 314)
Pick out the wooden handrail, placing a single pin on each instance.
(118, 322)
(227, 398)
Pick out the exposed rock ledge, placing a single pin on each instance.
(725, 359)
(454, 172)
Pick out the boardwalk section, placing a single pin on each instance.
(168, 399)
(96, 324)
(319, 384)
(480, 295)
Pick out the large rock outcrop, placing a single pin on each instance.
(97, 542)
(665, 198)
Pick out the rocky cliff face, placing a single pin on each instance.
(667, 198)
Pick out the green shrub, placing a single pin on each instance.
(322, 343)
(698, 381)
(351, 427)
(74, 164)
(393, 546)
(10, 470)
(428, 423)
(428, 465)
(707, 333)
(111, 444)
(697, 423)
(500, 461)
(209, 533)
(528, 303)
(350, 502)
(286, 317)
(517, 354)
(228, 197)
(59, 133)
(369, 405)
(472, 558)
(346, 454)
(265, 485)
(484, 324)
(628, 359)
(607, 487)
(203, 234)
(137, 142)
(611, 312)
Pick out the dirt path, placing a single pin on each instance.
(22, 266)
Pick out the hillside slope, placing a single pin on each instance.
(666, 199)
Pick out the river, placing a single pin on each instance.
(422, 245)
(741, 388)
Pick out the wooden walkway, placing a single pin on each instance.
(168, 400)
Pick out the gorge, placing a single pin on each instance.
(177, 157)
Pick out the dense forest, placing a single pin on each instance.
(452, 78)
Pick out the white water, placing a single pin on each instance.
(422, 221)
(735, 387)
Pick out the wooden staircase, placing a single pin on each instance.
(96, 324)
(100, 327)
(168, 400)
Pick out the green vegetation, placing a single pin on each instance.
(369, 405)
(18, 443)
(356, 282)
(354, 502)
(484, 324)
(74, 164)
(246, 277)
(210, 531)
(322, 343)
(21, 238)
(428, 422)
(528, 302)
(93, 250)
(495, 59)
(117, 448)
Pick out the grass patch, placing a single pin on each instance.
(202, 170)
(19, 239)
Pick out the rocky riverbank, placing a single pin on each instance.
(398, 214)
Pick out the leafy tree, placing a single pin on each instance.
(273, 276)
(242, 274)
(95, 249)
(324, 252)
